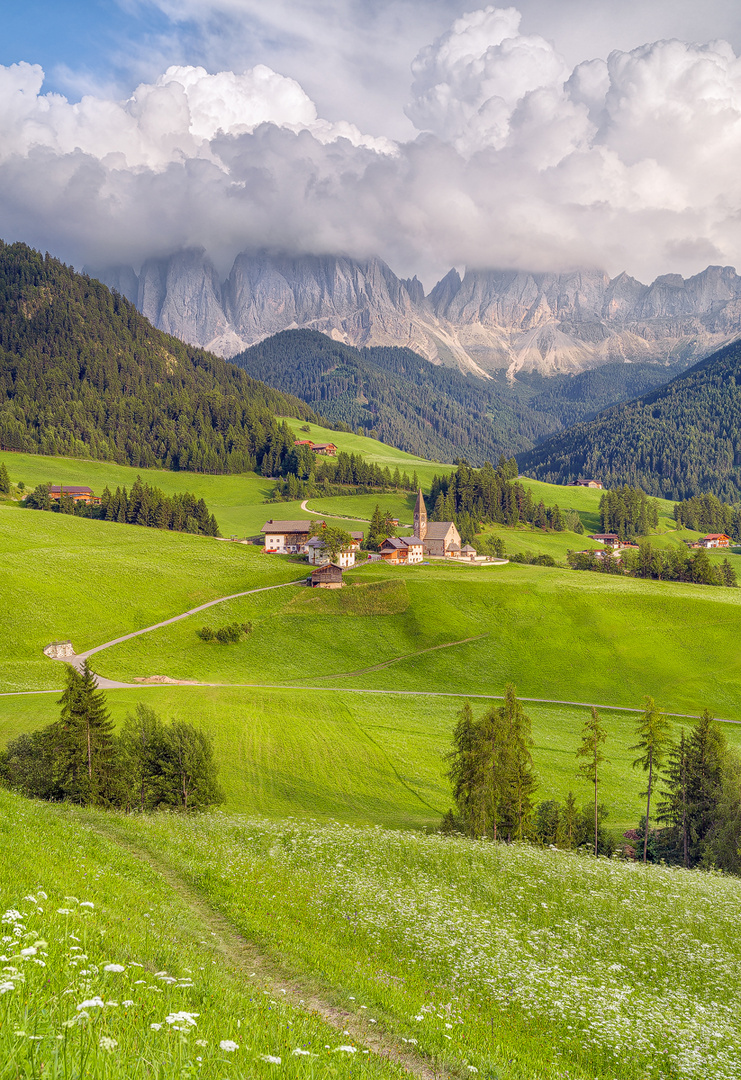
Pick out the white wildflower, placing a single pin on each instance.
(6, 986)
(106, 1043)
(298, 1052)
(271, 1060)
(230, 1046)
(93, 1003)
(155, 1027)
(346, 1049)
(201, 1042)
(87, 903)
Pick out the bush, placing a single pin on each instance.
(206, 633)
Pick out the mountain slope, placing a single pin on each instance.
(407, 401)
(487, 322)
(83, 374)
(676, 442)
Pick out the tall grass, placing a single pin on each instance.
(512, 961)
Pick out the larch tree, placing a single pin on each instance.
(592, 736)
(652, 731)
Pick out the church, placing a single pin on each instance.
(438, 537)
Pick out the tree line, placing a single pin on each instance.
(706, 513)
(697, 807)
(472, 497)
(628, 512)
(143, 505)
(659, 564)
(305, 474)
(80, 758)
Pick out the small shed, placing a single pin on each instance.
(468, 552)
(326, 577)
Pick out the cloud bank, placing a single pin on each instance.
(628, 162)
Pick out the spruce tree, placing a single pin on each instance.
(593, 734)
(652, 731)
(4, 480)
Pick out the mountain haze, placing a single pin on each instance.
(489, 321)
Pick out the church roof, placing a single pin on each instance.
(419, 506)
(438, 530)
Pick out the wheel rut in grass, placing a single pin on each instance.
(395, 660)
(245, 960)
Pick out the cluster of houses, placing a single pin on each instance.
(327, 449)
(616, 545)
(437, 539)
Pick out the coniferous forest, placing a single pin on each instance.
(677, 442)
(143, 505)
(83, 374)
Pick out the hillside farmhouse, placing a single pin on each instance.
(402, 549)
(714, 540)
(437, 537)
(283, 537)
(327, 449)
(318, 555)
(585, 483)
(77, 494)
(608, 539)
(326, 577)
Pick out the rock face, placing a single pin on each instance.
(485, 322)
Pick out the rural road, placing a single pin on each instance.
(78, 659)
(343, 517)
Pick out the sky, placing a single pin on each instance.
(547, 135)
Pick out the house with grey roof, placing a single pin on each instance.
(283, 537)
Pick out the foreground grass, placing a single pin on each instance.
(110, 973)
(519, 962)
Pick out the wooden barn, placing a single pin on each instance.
(328, 576)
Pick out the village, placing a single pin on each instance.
(430, 540)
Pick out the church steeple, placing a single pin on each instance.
(420, 517)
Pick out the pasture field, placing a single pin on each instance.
(377, 453)
(508, 960)
(557, 634)
(362, 757)
(237, 502)
(90, 581)
(400, 505)
(112, 974)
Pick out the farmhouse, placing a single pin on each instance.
(608, 539)
(319, 556)
(714, 540)
(328, 449)
(437, 537)
(326, 577)
(77, 494)
(402, 549)
(585, 483)
(286, 536)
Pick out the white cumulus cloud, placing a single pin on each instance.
(627, 162)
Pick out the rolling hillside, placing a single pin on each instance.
(679, 441)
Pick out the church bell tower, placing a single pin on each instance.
(420, 517)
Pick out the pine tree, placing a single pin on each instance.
(4, 480)
(652, 731)
(465, 773)
(523, 781)
(593, 734)
(674, 803)
(141, 746)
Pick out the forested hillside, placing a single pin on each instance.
(83, 374)
(679, 441)
(436, 411)
(398, 396)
